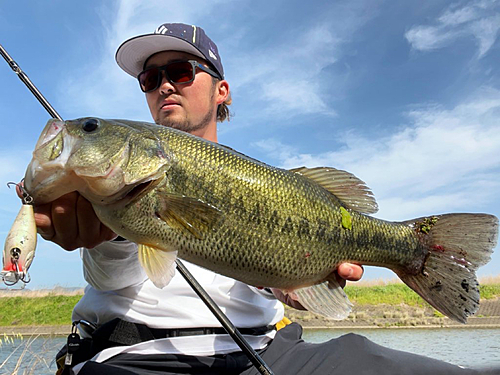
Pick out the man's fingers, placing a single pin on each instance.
(91, 231)
(289, 299)
(89, 226)
(64, 221)
(70, 221)
(350, 272)
(43, 221)
(19, 191)
(107, 234)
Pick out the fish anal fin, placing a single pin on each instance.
(158, 264)
(327, 299)
(349, 189)
(189, 215)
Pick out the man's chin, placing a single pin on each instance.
(171, 120)
(177, 123)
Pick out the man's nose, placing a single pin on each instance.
(165, 86)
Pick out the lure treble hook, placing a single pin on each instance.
(27, 198)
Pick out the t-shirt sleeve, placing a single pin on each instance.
(112, 265)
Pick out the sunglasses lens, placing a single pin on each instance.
(180, 72)
(149, 79)
(177, 72)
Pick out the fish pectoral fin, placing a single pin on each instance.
(189, 215)
(158, 264)
(349, 189)
(327, 299)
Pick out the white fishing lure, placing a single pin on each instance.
(19, 249)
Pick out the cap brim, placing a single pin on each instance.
(133, 53)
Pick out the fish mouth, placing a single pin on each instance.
(46, 178)
(59, 166)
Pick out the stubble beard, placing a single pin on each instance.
(186, 125)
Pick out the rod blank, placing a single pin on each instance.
(30, 85)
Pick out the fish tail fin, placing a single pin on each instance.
(458, 244)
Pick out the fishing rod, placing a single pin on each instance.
(23, 77)
(230, 328)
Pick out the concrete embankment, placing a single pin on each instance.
(400, 316)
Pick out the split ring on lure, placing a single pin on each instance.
(20, 244)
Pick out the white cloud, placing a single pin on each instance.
(291, 77)
(288, 98)
(441, 160)
(480, 20)
(285, 76)
(454, 17)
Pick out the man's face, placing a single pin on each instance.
(188, 107)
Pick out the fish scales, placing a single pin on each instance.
(174, 193)
(299, 221)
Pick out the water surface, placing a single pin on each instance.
(467, 347)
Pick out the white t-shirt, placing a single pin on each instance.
(119, 287)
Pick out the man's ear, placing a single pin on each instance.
(222, 91)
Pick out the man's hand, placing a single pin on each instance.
(70, 222)
(344, 272)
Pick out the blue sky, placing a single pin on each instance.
(406, 95)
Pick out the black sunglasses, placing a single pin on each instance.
(177, 72)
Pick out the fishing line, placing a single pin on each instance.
(230, 328)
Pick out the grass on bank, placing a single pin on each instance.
(27, 311)
(27, 308)
(395, 294)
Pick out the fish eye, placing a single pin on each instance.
(90, 125)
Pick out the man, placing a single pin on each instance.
(145, 330)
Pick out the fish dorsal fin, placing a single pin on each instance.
(158, 264)
(189, 215)
(349, 189)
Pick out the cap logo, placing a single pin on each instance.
(161, 30)
(211, 54)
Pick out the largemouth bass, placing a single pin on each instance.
(176, 194)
